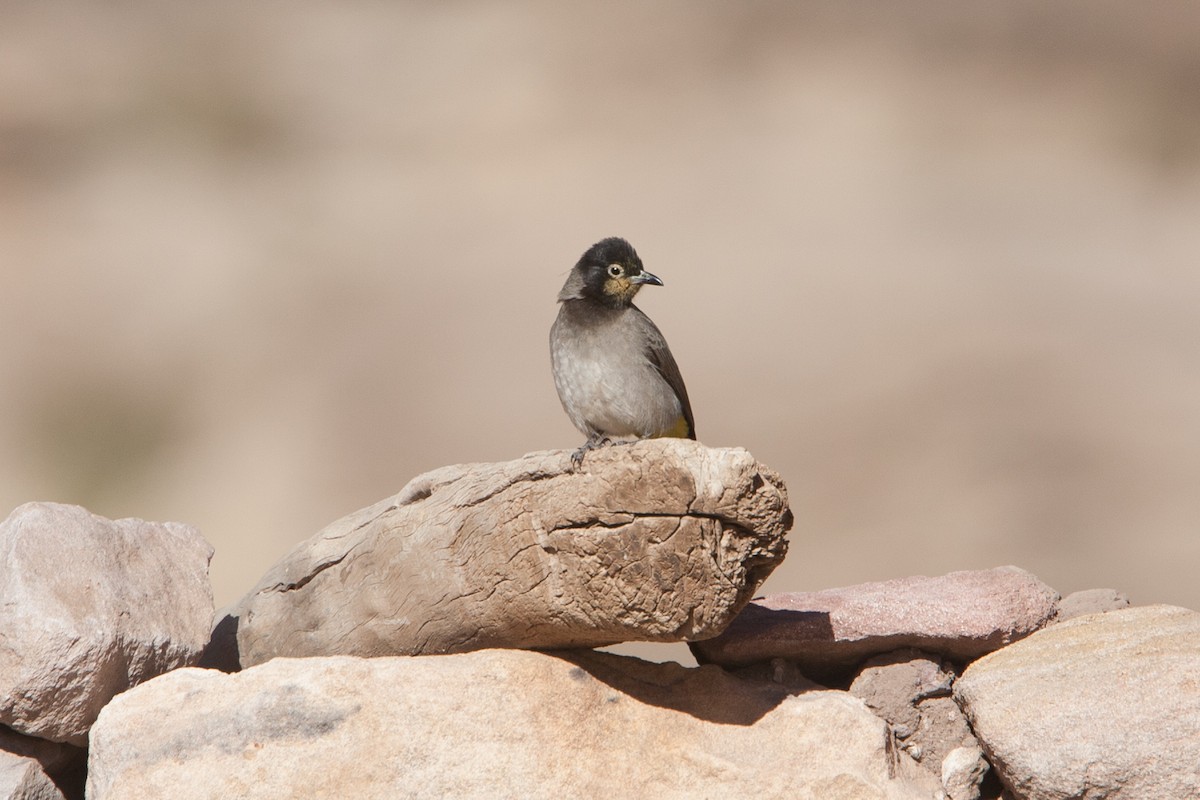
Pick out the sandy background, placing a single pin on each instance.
(937, 264)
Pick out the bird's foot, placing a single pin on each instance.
(594, 442)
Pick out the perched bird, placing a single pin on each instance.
(614, 373)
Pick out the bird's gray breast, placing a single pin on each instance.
(605, 381)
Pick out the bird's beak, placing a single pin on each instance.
(646, 277)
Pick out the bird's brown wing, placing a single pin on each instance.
(659, 354)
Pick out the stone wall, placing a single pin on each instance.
(438, 644)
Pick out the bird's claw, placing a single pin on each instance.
(593, 443)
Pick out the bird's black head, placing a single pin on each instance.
(610, 273)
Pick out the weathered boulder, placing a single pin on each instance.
(961, 615)
(1106, 705)
(88, 608)
(911, 690)
(493, 723)
(659, 540)
(22, 778)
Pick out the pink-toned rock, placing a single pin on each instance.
(962, 616)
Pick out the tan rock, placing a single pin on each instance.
(961, 615)
(88, 608)
(488, 724)
(660, 540)
(1106, 705)
(963, 770)
(22, 778)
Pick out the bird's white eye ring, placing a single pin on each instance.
(615, 270)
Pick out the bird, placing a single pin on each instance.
(615, 375)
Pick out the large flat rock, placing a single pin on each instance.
(961, 615)
(661, 540)
(488, 724)
(1106, 705)
(89, 607)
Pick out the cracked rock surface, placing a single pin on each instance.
(660, 540)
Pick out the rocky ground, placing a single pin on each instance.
(436, 646)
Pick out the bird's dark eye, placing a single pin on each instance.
(615, 270)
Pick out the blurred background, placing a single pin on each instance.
(938, 264)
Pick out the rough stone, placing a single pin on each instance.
(493, 723)
(22, 778)
(1090, 601)
(660, 540)
(911, 690)
(961, 615)
(65, 764)
(1106, 705)
(962, 772)
(88, 608)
